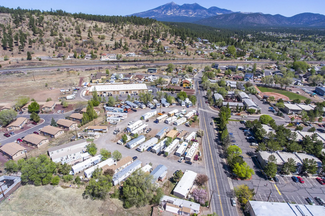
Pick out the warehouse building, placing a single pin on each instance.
(118, 89)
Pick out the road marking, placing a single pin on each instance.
(277, 189)
(277, 198)
(295, 200)
(302, 202)
(260, 197)
(215, 175)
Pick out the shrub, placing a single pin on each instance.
(67, 178)
(55, 180)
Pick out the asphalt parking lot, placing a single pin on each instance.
(286, 190)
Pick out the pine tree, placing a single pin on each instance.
(53, 122)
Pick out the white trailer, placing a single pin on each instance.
(172, 146)
(149, 115)
(161, 118)
(190, 114)
(180, 121)
(159, 147)
(144, 146)
(70, 97)
(135, 142)
(88, 172)
(172, 113)
(180, 151)
(190, 136)
(134, 125)
(171, 120)
(139, 130)
(191, 152)
(85, 164)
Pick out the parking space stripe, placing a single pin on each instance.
(307, 182)
(300, 200)
(277, 189)
(260, 197)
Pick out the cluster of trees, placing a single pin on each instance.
(34, 109)
(90, 113)
(239, 167)
(7, 116)
(39, 171)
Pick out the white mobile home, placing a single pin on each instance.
(139, 130)
(181, 150)
(134, 125)
(161, 118)
(159, 147)
(144, 146)
(149, 115)
(191, 152)
(180, 121)
(172, 146)
(190, 114)
(85, 164)
(172, 113)
(135, 142)
(161, 134)
(171, 120)
(190, 136)
(184, 186)
(126, 172)
(88, 172)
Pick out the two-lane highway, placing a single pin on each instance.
(219, 183)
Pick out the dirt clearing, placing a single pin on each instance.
(49, 200)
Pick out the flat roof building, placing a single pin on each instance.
(119, 89)
(185, 185)
(291, 108)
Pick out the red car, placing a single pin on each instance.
(34, 123)
(321, 181)
(300, 179)
(35, 132)
(6, 135)
(19, 140)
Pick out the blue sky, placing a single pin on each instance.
(126, 7)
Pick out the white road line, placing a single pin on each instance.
(312, 182)
(309, 184)
(277, 198)
(300, 200)
(294, 200)
(260, 197)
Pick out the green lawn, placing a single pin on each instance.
(290, 95)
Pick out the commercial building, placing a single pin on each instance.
(51, 131)
(126, 172)
(35, 140)
(135, 142)
(144, 146)
(67, 124)
(119, 89)
(243, 95)
(159, 173)
(185, 185)
(233, 105)
(69, 153)
(17, 124)
(291, 108)
(179, 206)
(192, 151)
(88, 172)
(77, 168)
(181, 150)
(261, 208)
(249, 104)
(161, 134)
(13, 151)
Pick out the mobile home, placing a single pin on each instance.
(159, 147)
(135, 142)
(144, 146)
(181, 150)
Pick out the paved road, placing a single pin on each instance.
(46, 117)
(219, 183)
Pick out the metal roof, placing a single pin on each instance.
(118, 87)
(158, 171)
(126, 170)
(185, 184)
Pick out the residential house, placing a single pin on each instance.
(231, 67)
(6, 107)
(69, 153)
(174, 81)
(17, 124)
(242, 96)
(249, 104)
(320, 90)
(98, 77)
(67, 124)
(97, 110)
(48, 106)
(179, 206)
(172, 134)
(108, 57)
(241, 87)
(152, 70)
(35, 140)
(127, 77)
(139, 77)
(186, 83)
(76, 117)
(25, 107)
(126, 172)
(248, 77)
(232, 84)
(13, 150)
(51, 131)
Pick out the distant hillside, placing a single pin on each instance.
(173, 12)
(240, 20)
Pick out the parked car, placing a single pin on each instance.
(188, 162)
(300, 180)
(180, 160)
(321, 181)
(211, 123)
(254, 144)
(19, 140)
(34, 123)
(135, 157)
(320, 200)
(233, 201)
(294, 178)
(21, 112)
(6, 135)
(134, 110)
(148, 130)
(35, 132)
(275, 179)
(149, 149)
(310, 201)
(12, 133)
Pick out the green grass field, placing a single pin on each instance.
(290, 95)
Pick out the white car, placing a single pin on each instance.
(233, 201)
(254, 144)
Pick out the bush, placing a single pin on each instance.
(92, 149)
(67, 178)
(201, 179)
(77, 180)
(251, 111)
(299, 128)
(55, 180)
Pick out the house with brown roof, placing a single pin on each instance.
(17, 124)
(13, 151)
(139, 77)
(6, 107)
(98, 77)
(76, 117)
(35, 140)
(48, 106)
(102, 129)
(67, 124)
(51, 131)
(172, 134)
(119, 165)
(25, 107)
